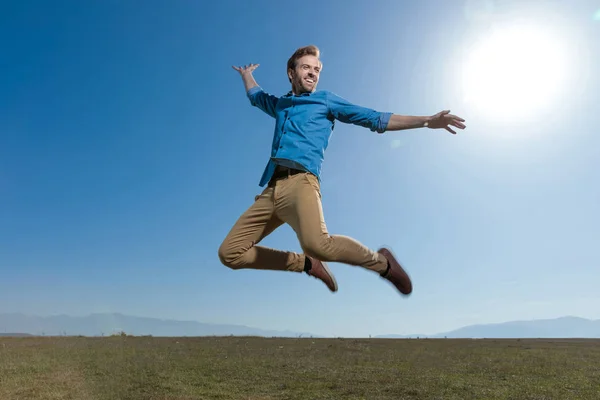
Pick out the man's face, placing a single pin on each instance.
(306, 75)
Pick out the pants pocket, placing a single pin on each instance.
(313, 182)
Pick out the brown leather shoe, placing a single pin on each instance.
(321, 271)
(396, 274)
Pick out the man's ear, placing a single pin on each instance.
(290, 73)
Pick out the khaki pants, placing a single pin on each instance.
(295, 200)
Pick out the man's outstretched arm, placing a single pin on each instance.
(257, 97)
(380, 122)
(442, 119)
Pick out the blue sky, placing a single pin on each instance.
(128, 149)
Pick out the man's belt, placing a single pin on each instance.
(284, 172)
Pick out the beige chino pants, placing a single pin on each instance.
(295, 200)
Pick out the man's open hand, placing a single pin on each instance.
(444, 120)
(246, 69)
(246, 74)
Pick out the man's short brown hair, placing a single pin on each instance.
(310, 50)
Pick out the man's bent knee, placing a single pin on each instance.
(230, 256)
(317, 248)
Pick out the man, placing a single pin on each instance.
(304, 121)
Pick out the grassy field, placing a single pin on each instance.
(120, 368)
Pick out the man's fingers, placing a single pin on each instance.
(247, 67)
(455, 121)
(450, 130)
(458, 124)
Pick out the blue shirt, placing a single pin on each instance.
(304, 123)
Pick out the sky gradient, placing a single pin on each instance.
(128, 149)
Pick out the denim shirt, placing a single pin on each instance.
(304, 124)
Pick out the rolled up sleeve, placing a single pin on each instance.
(346, 112)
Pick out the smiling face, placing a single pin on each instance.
(305, 75)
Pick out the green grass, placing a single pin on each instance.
(121, 368)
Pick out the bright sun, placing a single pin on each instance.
(514, 72)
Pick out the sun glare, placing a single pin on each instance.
(514, 72)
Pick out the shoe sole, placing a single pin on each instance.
(326, 267)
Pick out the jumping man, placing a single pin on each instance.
(304, 121)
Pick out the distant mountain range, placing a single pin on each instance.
(106, 324)
(564, 327)
(14, 334)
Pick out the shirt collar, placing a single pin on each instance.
(291, 94)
